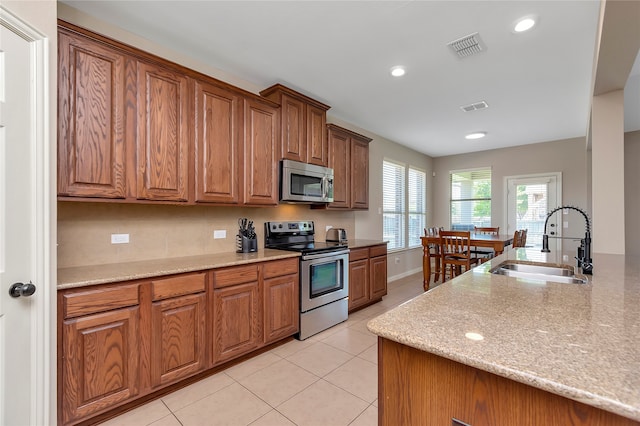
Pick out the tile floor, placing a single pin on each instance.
(329, 379)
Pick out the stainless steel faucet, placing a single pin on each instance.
(584, 251)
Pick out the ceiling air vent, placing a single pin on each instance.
(474, 106)
(467, 45)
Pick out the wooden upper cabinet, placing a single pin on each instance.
(302, 125)
(359, 173)
(219, 129)
(163, 133)
(339, 161)
(260, 147)
(349, 159)
(91, 111)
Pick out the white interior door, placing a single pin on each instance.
(19, 314)
(528, 200)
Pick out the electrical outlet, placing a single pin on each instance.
(565, 224)
(397, 260)
(119, 238)
(326, 228)
(219, 233)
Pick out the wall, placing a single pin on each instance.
(632, 192)
(567, 156)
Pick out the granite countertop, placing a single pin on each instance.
(364, 243)
(110, 273)
(581, 341)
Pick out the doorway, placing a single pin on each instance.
(528, 199)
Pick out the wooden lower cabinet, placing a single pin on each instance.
(100, 355)
(367, 275)
(420, 388)
(237, 324)
(121, 342)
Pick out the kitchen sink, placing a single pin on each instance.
(540, 272)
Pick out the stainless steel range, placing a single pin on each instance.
(324, 274)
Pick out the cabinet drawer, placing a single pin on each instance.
(280, 267)
(235, 275)
(358, 254)
(177, 286)
(83, 302)
(376, 251)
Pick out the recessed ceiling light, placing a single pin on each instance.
(398, 71)
(524, 24)
(476, 135)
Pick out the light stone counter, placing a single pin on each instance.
(117, 272)
(578, 341)
(354, 244)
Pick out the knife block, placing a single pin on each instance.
(246, 245)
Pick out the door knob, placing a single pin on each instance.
(20, 289)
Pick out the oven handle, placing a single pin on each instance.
(325, 254)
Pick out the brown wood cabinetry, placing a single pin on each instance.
(177, 328)
(349, 159)
(237, 312)
(162, 133)
(219, 132)
(302, 125)
(99, 360)
(281, 300)
(91, 110)
(367, 275)
(141, 129)
(420, 388)
(260, 145)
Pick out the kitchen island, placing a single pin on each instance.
(492, 349)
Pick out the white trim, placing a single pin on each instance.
(403, 275)
(42, 351)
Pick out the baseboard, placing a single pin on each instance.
(403, 275)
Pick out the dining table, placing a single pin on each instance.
(491, 241)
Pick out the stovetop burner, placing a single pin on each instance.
(297, 236)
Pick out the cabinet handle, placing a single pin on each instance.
(456, 422)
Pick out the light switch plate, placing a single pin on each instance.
(119, 238)
(219, 233)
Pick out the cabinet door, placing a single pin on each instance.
(378, 276)
(177, 338)
(99, 362)
(317, 147)
(358, 283)
(260, 164)
(218, 136)
(237, 323)
(294, 143)
(281, 307)
(339, 161)
(91, 151)
(359, 174)
(163, 140)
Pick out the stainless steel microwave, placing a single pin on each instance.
(305, 183)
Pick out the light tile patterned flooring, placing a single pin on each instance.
(330, 379)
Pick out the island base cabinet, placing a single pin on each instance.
(100, 362)
(419, 388)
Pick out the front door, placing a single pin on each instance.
(21, 233)
(529, 199)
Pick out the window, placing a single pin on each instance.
(404, 202)
(470, 199)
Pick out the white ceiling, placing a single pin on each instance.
(537, 84)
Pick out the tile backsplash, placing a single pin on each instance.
(166, 231)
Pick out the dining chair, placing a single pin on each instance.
(519, 238)
(432, 251)
(455, 252)
(484, 254)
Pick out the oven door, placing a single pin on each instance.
(324, 278)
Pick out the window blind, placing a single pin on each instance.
(417, 205)
(393, 183)
(470, 198)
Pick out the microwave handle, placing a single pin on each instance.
(325, 187)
